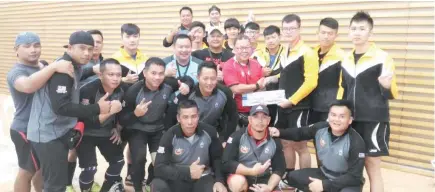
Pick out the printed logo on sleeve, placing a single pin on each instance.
(161, 149)
(61, 89)
(123, 103)
(230, 140)
(361, 155)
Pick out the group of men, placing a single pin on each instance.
(187, 110)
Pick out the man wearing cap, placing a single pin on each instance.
(189, 155)
(215, 52)
(251, 152)
(24, 79)
(97, 57)
(53, 127)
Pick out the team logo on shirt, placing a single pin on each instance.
(201, 145)
(266, 150)
(340, 152)
(322, 143)
(61, 89)
(178, 151)
(164, 96)
(216, 104)
(244, 149)
(85, 102)
(123, 103)
(176, 100)
(161, 149)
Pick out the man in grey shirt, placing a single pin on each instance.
(54, 113)
(24, 79)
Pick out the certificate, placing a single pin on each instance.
(263, 97)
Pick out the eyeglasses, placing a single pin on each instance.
(251, 32)
(290, 29)
(243, 48)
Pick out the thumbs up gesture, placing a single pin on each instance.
(104, 104)
(184, 88)
(196, 170)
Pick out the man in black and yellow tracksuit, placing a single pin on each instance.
(329, 55)
(300, 68)
(368, 80)
(269, 58)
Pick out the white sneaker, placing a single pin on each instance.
(117, 187)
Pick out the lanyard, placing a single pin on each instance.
(277, 57)
(243, 70)
(219, 58)
(178, 68)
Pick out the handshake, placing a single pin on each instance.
(109, 107)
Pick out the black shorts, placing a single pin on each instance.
(137, 137)
(88, 156)
(376, 136)
(300, 180)
(316, 116)
(26, 155)
(53, 156)
(292, 119)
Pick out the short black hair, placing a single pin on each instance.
(271, 29)
(241, 37)
(207, 64)
(197, 24)
(232, 22)
(342, 103)
(186, 104)
(362, 16)
(130, 29)
(109, 61)
(96, 32)
(252, 25)
(329, 22)
(213, 8)
(292, 17)
(154, 61)
(181, 36)
(186, 8)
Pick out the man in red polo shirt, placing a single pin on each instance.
(243, 75)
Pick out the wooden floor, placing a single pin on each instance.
(395, 181)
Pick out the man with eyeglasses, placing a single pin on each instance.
(242, 75)
(252, 30)
(298, 77)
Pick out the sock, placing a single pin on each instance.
(71, 170)
(287, 171)
(150, 174)
(129, 169)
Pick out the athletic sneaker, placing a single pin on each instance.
(70, 188)
(129, 182)
(117, 187)
(284, 185)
